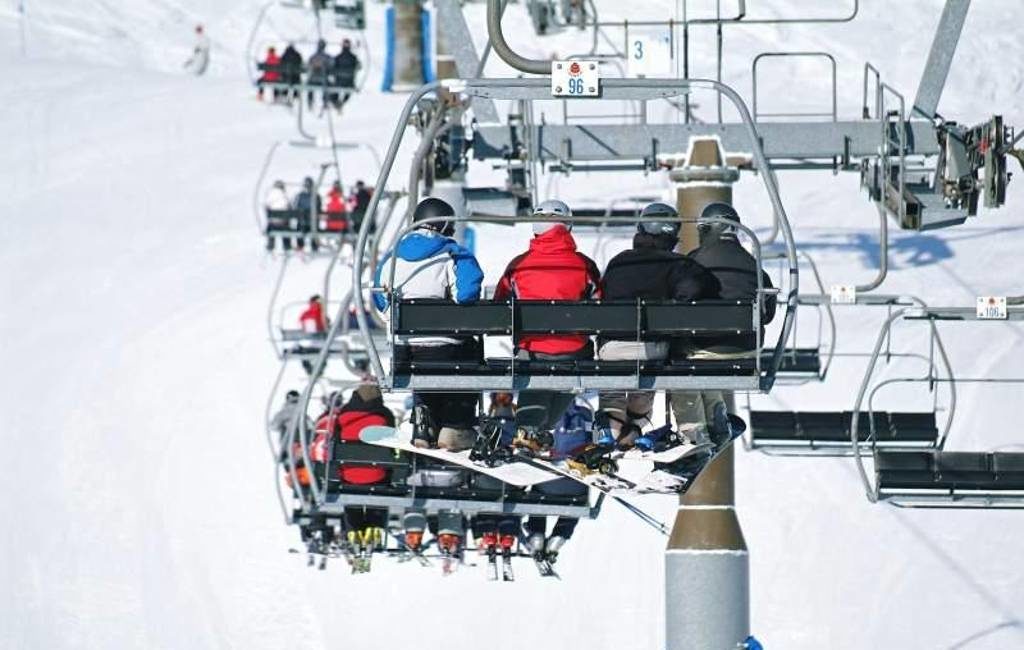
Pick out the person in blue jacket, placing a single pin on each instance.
(428, 263)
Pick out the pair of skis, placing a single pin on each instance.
(506, 573)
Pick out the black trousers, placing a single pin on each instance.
(456, 410)
(541, 408)
(358, 517)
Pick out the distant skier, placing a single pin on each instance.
(309, 207)
(277, 205)
(281, 423)
(430, 264)
(320, 65)
(651, 270)
(359, 201)
(346, 65)
(200, 59)
(551, 269)
(291, 70)
(285, 415)
(271, 73)
(336, 209)
(313, 322)
(737, 271)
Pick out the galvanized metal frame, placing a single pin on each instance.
(931, 315)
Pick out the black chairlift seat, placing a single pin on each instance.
(641, 320)
(474, 495)
(796, 362)
(829, 432)
(309, 346)
(950, 478)
(333, 81)
(285, 223)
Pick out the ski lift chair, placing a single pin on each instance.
(827, 433)
(935, 477)
(466, 494)
(630, 319)
(350, 14)
(802, 364)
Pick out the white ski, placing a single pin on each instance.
(514, 473)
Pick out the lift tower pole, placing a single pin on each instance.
(707, 569)
(408, 58)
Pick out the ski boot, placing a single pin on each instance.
(595, 457)
(506, 542)
(552, 547)
(628, 436)
(535, 544)
(720, 428)
(488, 543)
(487, 449)
(424, 431)
(414, 522)
(603, 427)
(657, 440)
(449, 543)
(537, 442)
(377, 538)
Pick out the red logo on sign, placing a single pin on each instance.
(575, 69)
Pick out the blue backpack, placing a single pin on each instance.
(574, 430)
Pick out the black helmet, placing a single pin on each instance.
(659, 219)
(431, 208)
(292, 396)
(722, 211)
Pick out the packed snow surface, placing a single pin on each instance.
(139, 507)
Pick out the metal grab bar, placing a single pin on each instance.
(533, 89)
(764, 55)
(271, 308)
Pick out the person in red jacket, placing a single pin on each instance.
(552, 269)
(364, 408)
(270, 74)
(312, 320)
(336, 210)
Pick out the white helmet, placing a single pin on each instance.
(551, 209)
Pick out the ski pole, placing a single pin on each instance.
(646, 518)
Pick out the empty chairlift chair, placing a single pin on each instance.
(818, 433)
(936, 477)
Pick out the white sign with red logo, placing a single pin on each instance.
(844, 294)
(575, 79)
(991, 308)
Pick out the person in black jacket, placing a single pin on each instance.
(309, 206)
(651, 270)
(737, 271)
(291, 69)
(346, 64)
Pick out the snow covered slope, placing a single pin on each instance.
(138, 501)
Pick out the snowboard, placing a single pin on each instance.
(678, 452)
(514, 473)
(673, 477)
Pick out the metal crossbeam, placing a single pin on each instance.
(334, 505)
(822, 141)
